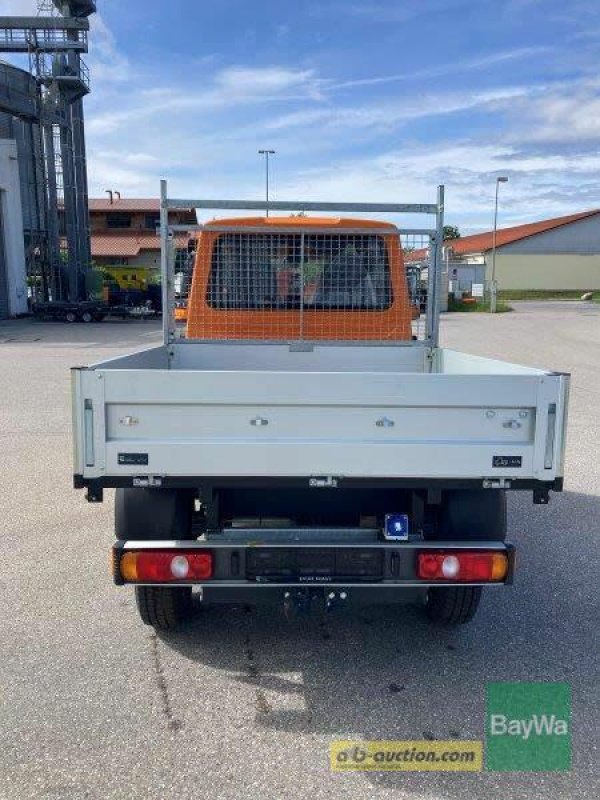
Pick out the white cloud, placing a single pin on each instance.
(220, 159)
(468, 65)
(204, 137)
(563, 117)
(265, 81)
(233, 86)
(141, 158)
(539, 186)
(113, 171)
(386, 114)
(106, 61)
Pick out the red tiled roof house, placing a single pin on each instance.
(124, 232)
(556, 254)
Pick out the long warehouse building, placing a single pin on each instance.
(557, 254)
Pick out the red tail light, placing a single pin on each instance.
(462, 566)
(165, 566)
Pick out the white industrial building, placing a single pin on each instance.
(13, 283)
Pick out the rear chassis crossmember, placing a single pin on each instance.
(379, 571)
(95, 486)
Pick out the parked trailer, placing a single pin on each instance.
(309, 440)
(91, 311)
(64, 311)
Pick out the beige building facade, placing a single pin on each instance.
(546, 272)
(560, 254)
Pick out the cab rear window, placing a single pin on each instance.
(288, 271)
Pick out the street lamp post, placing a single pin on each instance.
(494, 287)
(266, 154)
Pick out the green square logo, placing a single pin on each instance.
(528, 727)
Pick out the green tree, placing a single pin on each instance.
(451, 232)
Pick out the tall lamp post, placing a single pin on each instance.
(266, 154)
(494, 287)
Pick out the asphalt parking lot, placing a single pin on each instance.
(244, 704)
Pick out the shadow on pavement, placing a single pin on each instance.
(113, 333)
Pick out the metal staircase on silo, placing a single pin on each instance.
(51, 117)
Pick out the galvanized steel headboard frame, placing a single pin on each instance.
(327, 245)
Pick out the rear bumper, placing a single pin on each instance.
(244, 570)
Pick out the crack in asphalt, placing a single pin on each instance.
(262, 704)
(167, 710)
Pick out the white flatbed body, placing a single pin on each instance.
(190, 410)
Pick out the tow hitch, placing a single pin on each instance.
(301, 602)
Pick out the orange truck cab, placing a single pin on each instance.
(295, 277)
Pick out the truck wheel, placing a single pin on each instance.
(466, 515)
(452, 605)
(86, 316)
(164, 607)
(70, 316)
(157, 514)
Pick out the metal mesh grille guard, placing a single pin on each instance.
(288, 285)
(287, 271)
(286, 279)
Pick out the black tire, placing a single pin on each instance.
(452, 605)
(467, 515)
(70, 316)
(164, 607)
(86, 316)
(157, 514)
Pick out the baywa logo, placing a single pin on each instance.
(528, 727)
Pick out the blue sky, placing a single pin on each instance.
(378, 101)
